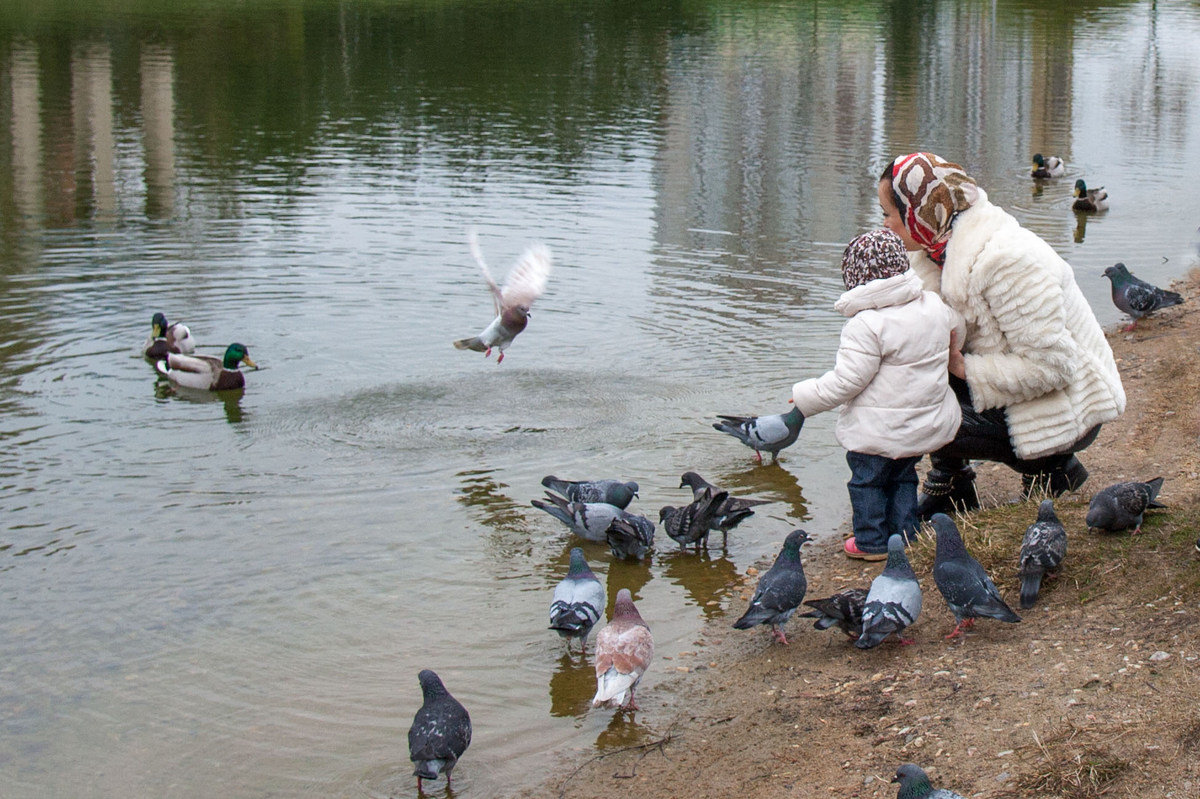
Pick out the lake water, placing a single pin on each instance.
(232, 595)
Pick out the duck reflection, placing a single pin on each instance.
(708, 580)
(1081, 220)
(572, 686)
(232, 399)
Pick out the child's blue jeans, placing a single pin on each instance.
(883, 496)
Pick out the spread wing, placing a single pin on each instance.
(473, 242)
(527, 280)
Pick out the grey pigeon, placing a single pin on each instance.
(630, 535)
(969, 592)
(588, 520)
(692, 523)
(763, 433)
(624, 649)
(1136, 297)
(440, 732)
(844, 609)
(614, 492)
(894, 601)
(780, 590)
(1120, 506)
(914, 784)
(524, 284)
(1042, 550)
(730, 513)
(578, 601)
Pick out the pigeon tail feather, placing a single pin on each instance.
(472, 343)
(1030, 585)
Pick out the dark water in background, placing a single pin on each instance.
(232, 596)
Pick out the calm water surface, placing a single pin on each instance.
(231, 596)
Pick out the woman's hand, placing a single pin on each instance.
(958, 364)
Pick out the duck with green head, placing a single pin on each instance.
(207, 372)
(167, 338)
(1047, 166)
(1089, 199)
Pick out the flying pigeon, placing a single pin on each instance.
(578, 601)
(730, 513)
(780, 590)
(894, 601)
(1089, 199)
(692, 523)
(167, 338)
(630, 535)
(588, 520)
(1047, 166)
(624, 649)
(968, 591)
(1136, 297)
(1042, 550)
(914, 784)
(614, 492)
(844, 609)
(440, 732)
(763, 433)
(1121, 506)
(525, 283)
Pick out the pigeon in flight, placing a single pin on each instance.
(1135, 296)
(614, 492)
(894, 601)
(780, 590)
(730, 513)
(524, 284)
(1042, 550)
(843, 610)
(968, 590)
(624, 649)
(914, 784)
(440, 732)
(578, 601)
(763, 433)
(1120, 506)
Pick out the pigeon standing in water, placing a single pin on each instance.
(1136, 297)
(1120, 506)
(588, 520)
(730, 513)
(914, 784)
(763, 433)
(894, 601)
(1042, 550)
(630, 535)
(524, 284)
(691, 523)
(440, 732)
(844, 609)
(614, 492)
(780, 590)
(578, 601)
(624, 649)
(968, 590)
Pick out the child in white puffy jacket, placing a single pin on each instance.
(891, 381)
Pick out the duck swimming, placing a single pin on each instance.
(207, 372)
(167, 338)
(1049, 166)
(1089, 199)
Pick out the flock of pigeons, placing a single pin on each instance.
(1130, 294)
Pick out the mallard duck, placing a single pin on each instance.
(1050, 166)
(207, 371)
(165, 338)
(1089, 199)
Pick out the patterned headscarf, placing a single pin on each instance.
(933, 192)
(873, 255)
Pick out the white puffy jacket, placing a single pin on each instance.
(890, 375)
(1033, 345)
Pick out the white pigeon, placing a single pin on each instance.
(525, 283)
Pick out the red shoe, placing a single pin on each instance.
(852, 551)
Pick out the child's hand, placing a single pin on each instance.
(958, 365)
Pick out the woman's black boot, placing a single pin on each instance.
(946, 491)
(1066, 475)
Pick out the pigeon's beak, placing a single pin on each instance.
(896, 778)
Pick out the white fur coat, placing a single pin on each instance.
(1033, 345)
(890, 374)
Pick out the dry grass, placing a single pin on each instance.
(1071, 763)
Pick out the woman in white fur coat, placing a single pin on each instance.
(1035, 375)
(891, 380)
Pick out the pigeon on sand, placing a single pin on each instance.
(843, 610)
(966, 587)
(1122, 505)
(578, 601)
(624, 649)
(914, 784)
(525, 283)
(763, 433)
(1136, 297)
(894, 601)
(1042, 550)
(780, 590)
(440, 732)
